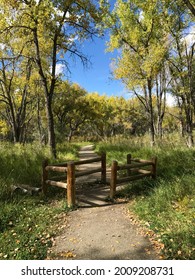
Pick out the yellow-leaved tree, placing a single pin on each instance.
(136, 31)
(51, 31)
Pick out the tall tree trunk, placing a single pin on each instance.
(151, 111)
(189, 126)
(161, 85)
(70, 136)
(50, 125)
(39, 125)
(48, 95)
(190, 138)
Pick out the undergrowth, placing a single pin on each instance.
(28, 223)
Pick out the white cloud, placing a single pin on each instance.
(59, 68)
(61, 13)
(189, 39)
(141, 15)
(2, 46)
(170, 100)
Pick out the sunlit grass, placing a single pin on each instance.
(28, 223)
(166, 205)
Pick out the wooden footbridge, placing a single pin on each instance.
(135, 169)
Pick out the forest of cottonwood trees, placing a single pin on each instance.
(156, 43)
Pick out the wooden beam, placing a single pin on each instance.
(63, 164)
(71, 184)
(56, 184)
(153, 169)
(113, 179)
(134, 165)
(87, 172)
(141, 171)
(132, 178)
(56, 168)
(85, 161)
(141, 160)
(129, 162)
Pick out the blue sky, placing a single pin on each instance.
(97, 77)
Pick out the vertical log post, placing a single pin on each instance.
(153, 169)
(70, 184)
(44, 176)
(103, 165)
(129, 162)
(113, 179)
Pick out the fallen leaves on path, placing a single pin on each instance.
(62, 255)
(144, 231)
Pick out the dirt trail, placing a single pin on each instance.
(99, 229)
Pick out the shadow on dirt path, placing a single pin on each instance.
(99, 229)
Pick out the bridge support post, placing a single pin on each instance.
(129, 162)
(71, 184)
(153, 169)
(113, 179)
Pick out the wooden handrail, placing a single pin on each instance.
(133, 178)
(55, 168)
(57, 184)
(132, 166)
(85, 161)
(70, 175)
(141, 160)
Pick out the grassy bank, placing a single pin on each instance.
(167, 205)
(28, 223)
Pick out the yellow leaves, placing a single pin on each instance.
(114, 43)
(67, 255)
(3, 127)
(153, 60)
(138, 36)
(179, 252)
(74, 240)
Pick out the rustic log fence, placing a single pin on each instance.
(135, 170)
(68, 179)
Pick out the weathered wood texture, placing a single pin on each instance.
(129, 162)
(56, 168)
(113, 179)
(134, 169)
(154, 165)
(56, 184)
(71, 184)
(70, 175)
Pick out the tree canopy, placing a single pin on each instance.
(155, 43)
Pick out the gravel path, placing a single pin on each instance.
(99, 229)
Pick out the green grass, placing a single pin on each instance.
(28, 223)
(165, 205)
